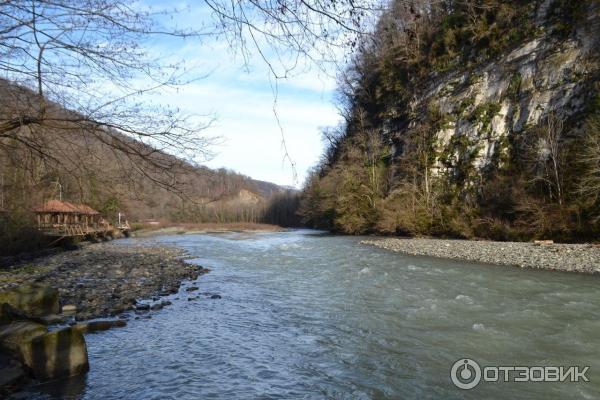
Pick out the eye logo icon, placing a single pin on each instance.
(465, 374)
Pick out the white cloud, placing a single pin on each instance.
(245, 120)
(241, 97)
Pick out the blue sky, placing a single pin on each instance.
(241, 98)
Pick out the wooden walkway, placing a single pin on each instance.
(79, 230)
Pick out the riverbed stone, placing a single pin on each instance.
(34, 300)
(103, 280)
(69, 308)
(142, 307)
(96, 326)
(558, 257)
(57, 354)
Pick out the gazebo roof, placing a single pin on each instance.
(64, 207)
(85, 209)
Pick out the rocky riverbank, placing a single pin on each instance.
(105, 279)
(41, 301)
(557, 257)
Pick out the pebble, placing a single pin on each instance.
(104, 279)
(583, 258)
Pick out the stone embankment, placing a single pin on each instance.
(557, 257)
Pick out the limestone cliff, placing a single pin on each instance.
(476, 118)
(482, 108)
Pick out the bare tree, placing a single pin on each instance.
(71, 66)
(284, 32)
(590, 181)
(90, 58)
(547, 155)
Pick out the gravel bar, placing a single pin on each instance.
(106, 279)
(583, 258)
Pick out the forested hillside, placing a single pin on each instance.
(113, 173)
(468, 118)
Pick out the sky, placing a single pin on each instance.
(241, 98)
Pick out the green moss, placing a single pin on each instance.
(483, 114)
(465, 105)
(438, 119)
(514, 88)
(458, 157)
(474, 78)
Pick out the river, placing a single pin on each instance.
(305, 315)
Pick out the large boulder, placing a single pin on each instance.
(15, 338)
(57, 354)
(33, 300)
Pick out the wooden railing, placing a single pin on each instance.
(72, 229)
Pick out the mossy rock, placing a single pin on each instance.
(33, 300)
(57, 354)
(16, 336)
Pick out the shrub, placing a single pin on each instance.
(18, 234)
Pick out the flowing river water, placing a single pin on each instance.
(304, 315)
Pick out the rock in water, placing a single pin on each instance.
(16, 337)
(34, 300)
(95, 326)
(57, 354)
(215, 296)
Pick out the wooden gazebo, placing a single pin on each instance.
(61, 218)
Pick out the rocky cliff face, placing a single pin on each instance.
(484, 108)
(469, 119)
